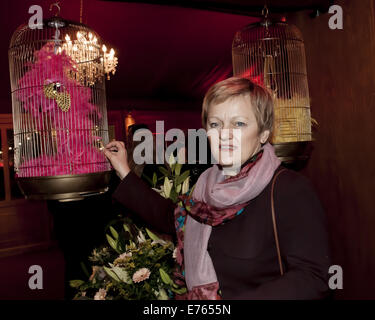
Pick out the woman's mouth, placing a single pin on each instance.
(227, 147)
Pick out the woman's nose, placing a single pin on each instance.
(226, 133)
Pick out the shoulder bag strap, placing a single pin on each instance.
(274, 221)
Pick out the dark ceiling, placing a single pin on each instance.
(169, 55)
(245, 7)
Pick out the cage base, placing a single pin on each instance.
(293, 152)
(64, 188)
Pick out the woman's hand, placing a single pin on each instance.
(116, 153)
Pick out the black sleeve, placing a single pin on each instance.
(304, 243)
(137, 196)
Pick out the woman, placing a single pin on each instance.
(233, 248)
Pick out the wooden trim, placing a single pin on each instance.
(6, 119)
(19, 203)
(5, 150)
(12, 203)
(6, 123)
(27, 248)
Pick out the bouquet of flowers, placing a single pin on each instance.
(137, 264)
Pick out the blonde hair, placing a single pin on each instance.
(259, 98)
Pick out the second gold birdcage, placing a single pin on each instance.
(273, 54)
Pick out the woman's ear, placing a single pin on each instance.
(264, 136)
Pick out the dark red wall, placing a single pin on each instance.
(341, 67)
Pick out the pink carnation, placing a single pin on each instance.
(101, 294)
(141, 275)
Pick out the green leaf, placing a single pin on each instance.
(81, 298)
(173, 167)
(126, 228)
(76, 283)
(112, 274)
(173, 195)
(114, 232)
(85, 271)
(178, 188)
(179, 291)
(147, 178)
(122, 275)
(154, 179)
(164, 171)
(152, 235)
(180, 179)
(112, 243)
(177, 169)
(165, 277)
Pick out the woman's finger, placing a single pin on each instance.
(113, 144)
(116, 144)
(108, 154)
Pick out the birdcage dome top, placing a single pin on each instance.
(25, 35)
(267, 30)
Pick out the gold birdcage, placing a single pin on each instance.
(273, 54)
(59, 110)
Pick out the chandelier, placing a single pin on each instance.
(86, 48)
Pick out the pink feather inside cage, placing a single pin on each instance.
(75, 141)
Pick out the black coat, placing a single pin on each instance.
(243, 249)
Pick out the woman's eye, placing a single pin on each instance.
(240, 124)
(213, 125)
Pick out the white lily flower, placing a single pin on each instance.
(171, 160)
(141, 237)
(185, 185)
(159, 241)
(167, 187)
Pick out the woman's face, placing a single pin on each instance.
(231, 148)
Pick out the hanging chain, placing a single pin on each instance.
(265, 11)
(266, 21)
(56, 39)
(55, 23)
(81, 11)
(57, 5)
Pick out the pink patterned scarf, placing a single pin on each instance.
(215, 200)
